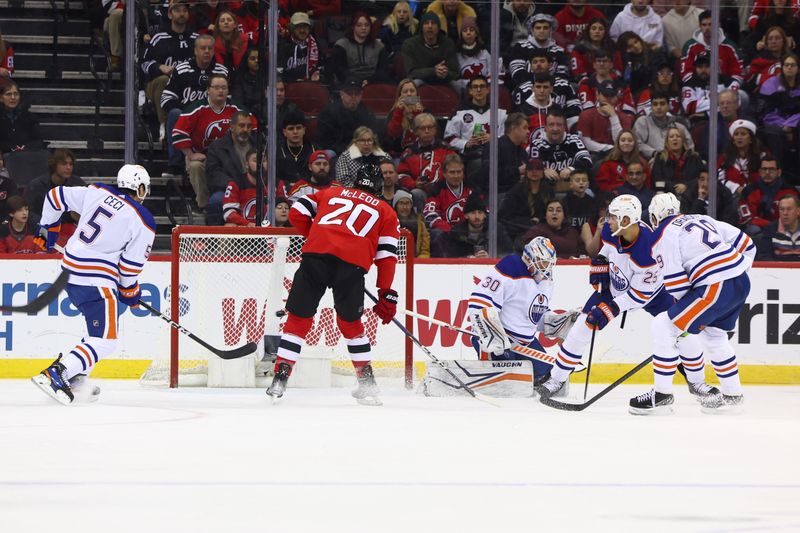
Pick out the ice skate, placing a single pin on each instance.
(84, 390)
(551, 387)
(367, 391)
(52, 382)
(702, 390)
(722, 404)
(651, 403)
(278, 386)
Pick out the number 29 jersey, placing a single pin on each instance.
(350, 224)
(697, 250)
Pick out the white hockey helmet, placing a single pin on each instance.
(539, 256)
(625, 205)
(663, 205)
(131, 176)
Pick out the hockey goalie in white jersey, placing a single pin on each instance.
(104, 257)
(705, 264)
(626, 277)
(511, 304)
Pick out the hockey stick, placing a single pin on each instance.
(589, 364)
(41, 301)
(434, 359)
(236, 353)
(524, 350)
(549, 402)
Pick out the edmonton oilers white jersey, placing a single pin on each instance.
(518, 298)
(696, 250)
(635, 276)
(114, 235)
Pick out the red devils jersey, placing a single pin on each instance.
(200, 125)
(239, 204)
(352, 225)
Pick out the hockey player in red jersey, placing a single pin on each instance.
(347, 230)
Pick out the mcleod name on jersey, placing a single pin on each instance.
(108, 218)
(352, 225)
(636, 278)
(519, 299)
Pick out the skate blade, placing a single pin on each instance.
(663, 410)
(274, 400)
(43, 383)
(723, 410)
(371, 401)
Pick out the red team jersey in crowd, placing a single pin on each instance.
(352, 225)
(200, 125)
(239, 204)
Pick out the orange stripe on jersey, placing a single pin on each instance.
(679, 281)
(697, 308)
(744, 245)
(111, 310)
(131, 270)
(712, 265)
(54, 197)
(476, 301)
(86, 354)
(83, 267)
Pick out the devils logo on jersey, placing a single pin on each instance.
(539, 307)
(618, 279)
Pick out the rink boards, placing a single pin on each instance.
(767, 338)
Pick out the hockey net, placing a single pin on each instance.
(228, 286)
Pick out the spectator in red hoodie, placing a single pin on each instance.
(230, 44)
(16, 236)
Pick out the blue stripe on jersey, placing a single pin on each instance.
(635, 298)
(725, 362)
(675, 275)
(132, 263)
(63, 200)
(487, 298)
(709, 258)
(90, 275)
(80, 358)
(721, 268)
(519, 335)
(87, 260)
(50, 201)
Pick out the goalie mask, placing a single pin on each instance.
(663, 205)
(132, 176)
(369, 178)
(625, 205)
(539, 256)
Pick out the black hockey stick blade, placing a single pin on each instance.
(43, 299)
(235, 353)
(555, 404)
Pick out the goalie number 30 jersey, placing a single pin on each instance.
(636, 277)
(518, 298)
(114, 235)
(696, 250)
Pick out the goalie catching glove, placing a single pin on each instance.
(557, 325)
(489, 330)
(386, 307)
(130, 296)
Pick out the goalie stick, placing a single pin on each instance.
(236, 353)
(41, 301)
(434, 359)
(555, 404)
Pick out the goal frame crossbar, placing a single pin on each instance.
(175, 277)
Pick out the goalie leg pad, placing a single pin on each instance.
(489, 331)
(501, 379)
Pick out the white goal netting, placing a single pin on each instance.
(228, 287)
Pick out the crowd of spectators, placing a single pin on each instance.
(596, 101)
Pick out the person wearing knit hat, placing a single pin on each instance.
(451, 16)
(430, 56)
(746, 124)
(403, 204)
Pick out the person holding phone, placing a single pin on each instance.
(399, 130)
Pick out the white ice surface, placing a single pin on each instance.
(200, 460)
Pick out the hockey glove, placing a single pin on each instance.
(130, 296)
(601, 314)
(598, 274)
(46, 238)
(386, 307)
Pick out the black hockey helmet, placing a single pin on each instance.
(369, 178)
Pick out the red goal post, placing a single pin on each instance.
(230, 281)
